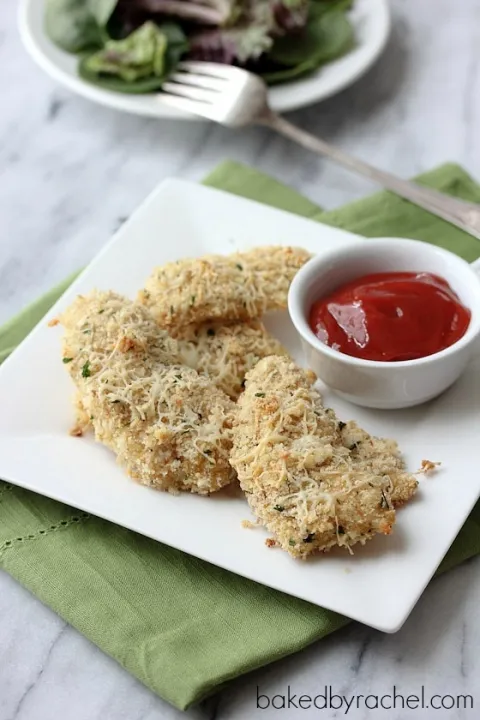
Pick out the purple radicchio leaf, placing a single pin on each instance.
(234, 45)
(290, 15)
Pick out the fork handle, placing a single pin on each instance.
(463, 214)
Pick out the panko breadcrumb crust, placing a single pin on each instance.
(241, 286)
(226, 352)
(169, 426)
(312, 480)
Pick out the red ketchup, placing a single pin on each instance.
(390, 316)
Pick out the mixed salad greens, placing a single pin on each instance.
(133, 45)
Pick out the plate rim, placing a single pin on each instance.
(398, 616)
(126, 103)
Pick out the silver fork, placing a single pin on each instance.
(236, 98)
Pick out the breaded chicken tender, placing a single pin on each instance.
(226, 352)
(305, 474)
(241, 286)
(169, 426)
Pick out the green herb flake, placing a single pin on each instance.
(192, 300)
(101, 311)
(211, 332)
(279, 508)
(341, 425)
(91, 417)
(86, 370)
(259, 394)
(67, 360)
(179, 377)
(240, 267)
(87, 331)
(172, 309)
(291, 542)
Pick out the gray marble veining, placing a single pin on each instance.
(70, 172)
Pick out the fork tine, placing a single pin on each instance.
(212, 69)
(192, 107)
(189, 91)
(204, 81)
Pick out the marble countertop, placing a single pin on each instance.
(69, 173)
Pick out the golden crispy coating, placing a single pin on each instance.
(105, 321)
(305, 474)
(169, 426)
(381, 455)
(241, 286)
(226, 352)
(223, 352)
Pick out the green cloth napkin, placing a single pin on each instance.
(180, 625)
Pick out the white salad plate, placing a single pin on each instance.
(371, 20)
(378, 585)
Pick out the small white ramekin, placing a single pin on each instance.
(373, 383)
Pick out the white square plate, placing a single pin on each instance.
(380, 584)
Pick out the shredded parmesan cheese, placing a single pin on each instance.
(241, 286)
(312, 481)
(226, 352)
(169, 426)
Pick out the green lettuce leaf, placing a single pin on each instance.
(177, 45)
(327, 36)
(77, 25)
(138, 64)
(323, 6)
